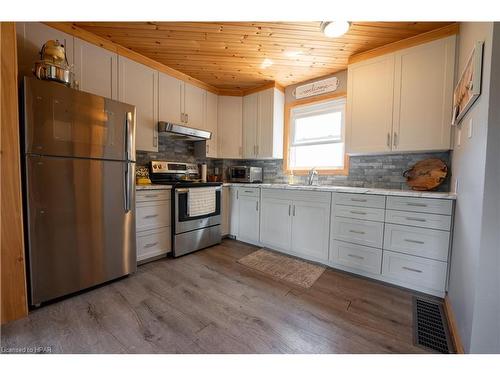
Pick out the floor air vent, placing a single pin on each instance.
(431, 330)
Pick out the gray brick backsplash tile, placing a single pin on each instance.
(371, 171)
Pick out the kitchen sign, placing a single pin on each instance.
(316, 88)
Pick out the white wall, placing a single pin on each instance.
(468, 273)
(486, 321)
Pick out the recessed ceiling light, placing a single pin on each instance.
(335, 28)
(266, 63)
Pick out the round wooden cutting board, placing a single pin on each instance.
(427, 174)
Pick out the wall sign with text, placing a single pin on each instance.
(316, 88)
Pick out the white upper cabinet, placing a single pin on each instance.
(138, 85)
(369, 105)
(402, 101)
(250, 124)
(96, 69)
(170, 92)
(229, 127)
(263, 121)
(271, 123)
(31, 36)
(211, 124)
(194, 106)
(423, 95)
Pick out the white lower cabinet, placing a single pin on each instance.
(276, 223)
(296, 222)
(249, 216)
(310, 228)
(355, 256)
(153, 224)
(414, 272)
(356, 233)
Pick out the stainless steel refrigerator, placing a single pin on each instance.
(79, 169)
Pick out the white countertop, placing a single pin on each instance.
(153, 187)
(356, 190)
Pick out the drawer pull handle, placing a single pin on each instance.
(356, 231)
(416, 204)
(355, 256)
(358, 212)
(414, 241)
(416, 219)
(151, 196)
(148, 245)
(248, 191)
(411, 269)
(150, 216)
(358, 199)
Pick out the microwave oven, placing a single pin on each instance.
(245, 174)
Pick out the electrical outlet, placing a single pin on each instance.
(469, 129)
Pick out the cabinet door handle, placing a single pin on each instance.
(355, 256)
(411, 269)
(150, 216)
(416, 204)
(358, 212)
(208, 149)
(356, 231)
(416, 219)
(293, 210)
(388, 139)
(187, 118)
(289, 209)
(151, 244)
(395, 140)
(414, 241)
(358, 199)
(257, 206)
(237, 194)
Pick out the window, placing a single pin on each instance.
(317, 137)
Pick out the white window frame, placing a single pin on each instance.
(311, 109)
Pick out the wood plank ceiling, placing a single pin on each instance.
(244, 55)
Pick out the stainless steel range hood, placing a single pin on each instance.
(182, 132)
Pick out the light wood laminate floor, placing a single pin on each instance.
(208, 303)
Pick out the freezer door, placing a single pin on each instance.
(81, 223)
(60, 121)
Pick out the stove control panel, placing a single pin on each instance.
(172, 167)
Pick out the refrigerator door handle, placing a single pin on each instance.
(128, 187)
(129, 137)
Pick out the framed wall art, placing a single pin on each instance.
(468, 87)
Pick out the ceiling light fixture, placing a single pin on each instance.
(335, 29)
(266, 63)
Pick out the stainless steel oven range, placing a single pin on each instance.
(196, 214)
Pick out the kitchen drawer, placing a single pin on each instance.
(365, 213)
(418, 219)
(152, 215)
(362, 232)
(151, 243)
(152, 195)
(427, 205)
(249, 191)
(423, 242)
(408, 269)
(363, 200)
(360, 257)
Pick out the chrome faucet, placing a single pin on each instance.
(312, 178)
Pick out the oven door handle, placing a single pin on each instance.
(186, 190)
